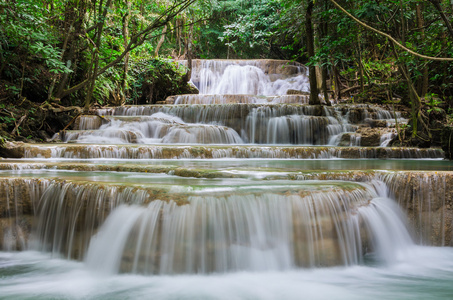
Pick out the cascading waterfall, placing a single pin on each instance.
(220, 151)
(158, 128)
(248, 77)
(226, 124)
(240, 99)
(248, 194)
(248, 80)
(234, 233)
(306, 225)
(239, 102)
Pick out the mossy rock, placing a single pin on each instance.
(447, 141)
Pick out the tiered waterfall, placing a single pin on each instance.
(242, 181)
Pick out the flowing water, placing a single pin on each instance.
(240, 192)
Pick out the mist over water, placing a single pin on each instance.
(425, 273)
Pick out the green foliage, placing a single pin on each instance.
(242, 29)
(30, 56)
(255, 25)
(25, 34)
(155, 79)
(6, 116)
(432, 101)
(44, 44)
(108, 87)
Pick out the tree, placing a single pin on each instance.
(314, 99)
(95, 34)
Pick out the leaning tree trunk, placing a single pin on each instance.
(314, 98)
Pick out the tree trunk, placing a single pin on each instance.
(324, 30)
(314, 98)
(74, 14)
(161, 41)
(438, 6)
(126, 57)
(422, 83)
(188, 45)
(416, 116)
(324, 85)
(337, 85)
(95, 52)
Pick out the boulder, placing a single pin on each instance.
(12, 150)
(297, 92)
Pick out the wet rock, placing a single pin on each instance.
(427, 199)
(369, 137)
(447, 141)
(12, 150)
(169, 100)
(347, 139)
(44, 136)
(89, 122)
(354, 116)
(297, 92)
(376, 123)
(15, 232)
(191, 89)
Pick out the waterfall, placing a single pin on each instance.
(125, 229)
(239, 102)
(249, 232)
(128, 151)
(249, 194)
(236, 123)
(248, 77)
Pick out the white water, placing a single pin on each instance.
(226, 124)
(248, 232)
(241, 99)
(253, 241)
(216, 152)
(248, 80)
(425, 273)
(157, 128)
(236, 105)
(246, 77)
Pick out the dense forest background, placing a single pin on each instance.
(61, 58)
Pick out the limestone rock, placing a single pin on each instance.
(12, 150)
(369, 137)
(297, 92)
(192, 89)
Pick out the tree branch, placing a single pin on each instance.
(136, 40)
(437, 5)
(390, 37)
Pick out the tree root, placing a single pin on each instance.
(19, 123)
(56, 108)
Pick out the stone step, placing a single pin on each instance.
(220, 151)
(236, 99)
